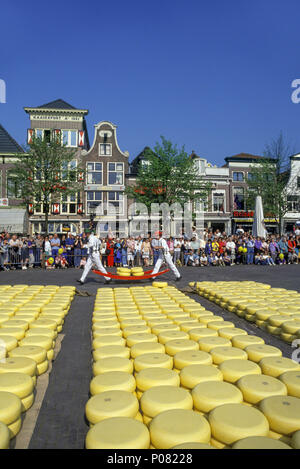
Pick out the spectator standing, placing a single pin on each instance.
(55, 244)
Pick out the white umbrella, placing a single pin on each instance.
(258, 227)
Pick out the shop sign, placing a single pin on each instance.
(243, 214)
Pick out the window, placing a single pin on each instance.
(298, 182)
(115, 173)
(250, 176)
(47, 136)
(13, 189)
(94, 199)
(104, 149)
(115, 199)
(94, 173)
(201, 205)
(69, 203)
(69, 138)
(293, 203)
(39, 133)
(200, 166)
(238, 198)
(218, 202)
(238, 176)
(69, 171)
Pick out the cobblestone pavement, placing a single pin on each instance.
(61, 422)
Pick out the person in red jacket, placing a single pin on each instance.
(292, 256)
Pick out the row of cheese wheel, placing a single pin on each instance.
(126, 272)
(275, 310)
(30, 319)
(157, 352)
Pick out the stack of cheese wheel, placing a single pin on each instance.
(123, 272)
(10, 412)
(275, 310)
(137, 271)
(158, 354)
(30, 319)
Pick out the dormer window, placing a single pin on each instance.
(105, 149)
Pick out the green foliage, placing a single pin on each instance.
(169, 177)
(45, 173)
(269, 180)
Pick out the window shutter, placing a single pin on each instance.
(79, 208)
(81, 138)
(30, 136)
(30, 208)
(57, 136)
(55, 209)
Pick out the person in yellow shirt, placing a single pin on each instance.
(215, 246)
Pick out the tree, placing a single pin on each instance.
(168, 176)
(45, 173)
(269, 177)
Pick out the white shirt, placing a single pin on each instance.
(177, 245)
(163, 243)
(230, 245)
(93, 243)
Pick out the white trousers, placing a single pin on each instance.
(170, 263)
(93, 259)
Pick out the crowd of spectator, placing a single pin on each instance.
(213, 249)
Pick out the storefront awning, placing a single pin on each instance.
(13, 221)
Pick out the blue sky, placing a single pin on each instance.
(213, 76)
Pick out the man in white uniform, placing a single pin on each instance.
(93, 246)
(164, 253)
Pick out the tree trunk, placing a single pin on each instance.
(46, 217)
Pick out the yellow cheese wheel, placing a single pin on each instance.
(146, 347)
(20, 365)
(118, 433)
(275, 366)
(199, 334)
(256, 388)
(259, 442)
(257, 352)
(4, 436)
(150, 377)
(217, 325)
(107, 340)
(158, 399)
(27, 402)
(111, 404)
(136, 330)
(292, 327)
(242, 341)
(19, 384)
(282, 412)
(165, 337)
(190, 326)
(210, 394)
(16, 332)
(291, 379)
(15, 323)
(140, 337)
(112, 364)
(158, 329)
(208, 343)
(210, 318)
(41, 331)
(153, 360)
(35, 352)
(40, 340)
(275, 330)
(193, 446)
(10, 407)
(287, 337)
(159, 284)
(7, 343)
(191, 357)
(112, 380)
(235, 369)
(277, 320)
(232, 422)
(178, 345)
(42, 367)
(111, 351)
(44, 322)
(106, 331)
(178, 426)
(295, 440)
(229, 333)
(220, 354)
(192, 375)
(108, 323)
